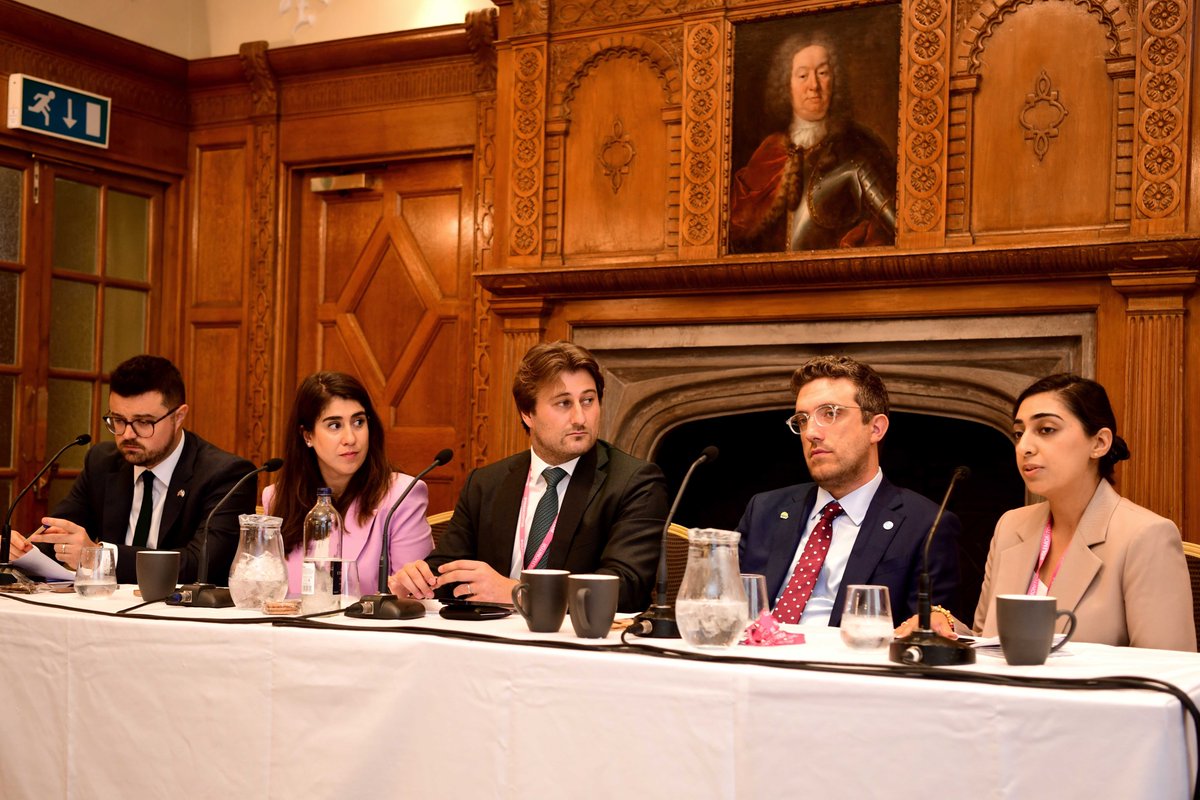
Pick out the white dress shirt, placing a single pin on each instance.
(162, 479)
(536, 486)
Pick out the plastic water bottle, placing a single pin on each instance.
(321, 579)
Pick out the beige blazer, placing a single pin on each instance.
(1124, 573)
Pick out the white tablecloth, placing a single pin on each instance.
(111, 707)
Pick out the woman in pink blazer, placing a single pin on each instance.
(1118, 566)
(338, 442)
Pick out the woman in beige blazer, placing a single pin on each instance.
(1118, 566)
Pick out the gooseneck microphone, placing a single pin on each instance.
(8, 574)
(386, 605)
(923, 646)
(203, 594)
(658, 622)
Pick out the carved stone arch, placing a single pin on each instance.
(584, 62)
(1113, 17)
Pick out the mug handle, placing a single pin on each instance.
(1070, 628)
(519, 591)
(581, 606)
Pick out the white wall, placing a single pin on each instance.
(202, 28)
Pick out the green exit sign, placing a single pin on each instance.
(56, 110)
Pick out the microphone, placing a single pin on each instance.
(386, 605)
(203, 594)
(923, 646)
(8, 573)
(658, 622)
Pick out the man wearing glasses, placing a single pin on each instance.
(154, 486)
(850, 526)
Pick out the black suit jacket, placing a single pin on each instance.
(610, 522)
(102, 497)
(883, 554)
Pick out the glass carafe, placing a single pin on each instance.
(711, 606)
(259, 572)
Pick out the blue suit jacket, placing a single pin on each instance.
(884, 556)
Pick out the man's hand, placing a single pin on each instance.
(414, 579)
(67, 537)
(476, 580)
(19, 546)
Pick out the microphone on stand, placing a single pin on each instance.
(8, 573)
(203, 594)
(386, 605)
(658, 622)
(923, 646)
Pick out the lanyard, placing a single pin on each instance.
(524, 532)
(1033, 583)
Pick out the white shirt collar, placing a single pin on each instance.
(855, 504)
(537, 466)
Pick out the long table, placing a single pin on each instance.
(105, 706)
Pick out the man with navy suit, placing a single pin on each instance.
(851, 525)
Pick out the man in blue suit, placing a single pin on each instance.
(851, 525)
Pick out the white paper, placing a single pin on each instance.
(35, 562)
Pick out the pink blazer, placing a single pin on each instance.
(1124, 573)
(408, 540)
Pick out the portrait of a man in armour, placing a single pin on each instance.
(815, 118)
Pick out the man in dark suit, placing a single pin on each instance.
(155, 485)
(570, 502)
(851, 526)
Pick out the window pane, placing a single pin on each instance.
(72, 324)
(128, 235)
(124, 326)
(76, 225)
(10, 214)
(70, 414)
(10, 296)
(8, 422)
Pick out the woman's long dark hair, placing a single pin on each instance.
(1088, 401)
(300, 476)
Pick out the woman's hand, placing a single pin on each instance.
(937, 621)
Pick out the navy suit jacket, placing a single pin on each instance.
(611, 520)
(883, 555)
(102, 497)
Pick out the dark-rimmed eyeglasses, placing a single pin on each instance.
(822, 416)
(142, 428)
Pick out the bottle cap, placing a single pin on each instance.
(324, 490)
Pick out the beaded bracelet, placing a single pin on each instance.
(945, 613)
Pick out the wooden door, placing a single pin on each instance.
(385, 295)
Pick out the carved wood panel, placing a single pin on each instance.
(923, 152)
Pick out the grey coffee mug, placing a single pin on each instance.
(157, 573)
(1026, 627)
(541, 598)
(592, 600)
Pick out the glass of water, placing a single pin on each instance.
(755, 587)
(96, 575)
(867, 617)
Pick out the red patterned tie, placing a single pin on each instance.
(804, 578)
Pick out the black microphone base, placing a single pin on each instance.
(385, 606)
(200, 595)
(656, 623)
(11, 576)
(930, 650)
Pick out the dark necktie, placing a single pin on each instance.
(804, 578)
(141, 532)
(543, 517)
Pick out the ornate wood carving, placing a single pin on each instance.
(700, 186)
(531, 16)
(481, 36)
(1122, 72)
(482, 29)
(617, 152)
(1154, 388)
(1041, 115)
(395, 86)
(527, 165)
(1164, 42)
(923, 156)
(263, 239)
(987, 15)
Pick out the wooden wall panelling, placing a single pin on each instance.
(1155, 388)
(1165, 31)
(526, 170)
(521, 325)
(924, 124)
(702, 148)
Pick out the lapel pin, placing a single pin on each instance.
(887, 526)
(183, 492)
(783, 515)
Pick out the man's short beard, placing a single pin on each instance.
(808, 133)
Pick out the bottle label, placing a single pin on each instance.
(308, 578)
(335, 569)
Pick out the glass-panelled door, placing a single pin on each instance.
(82, 271)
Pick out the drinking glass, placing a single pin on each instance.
(867, 617)
(96, 575)
(351, 587)
(756, 594)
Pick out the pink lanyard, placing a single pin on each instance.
(1033, 583)
(545, 545)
